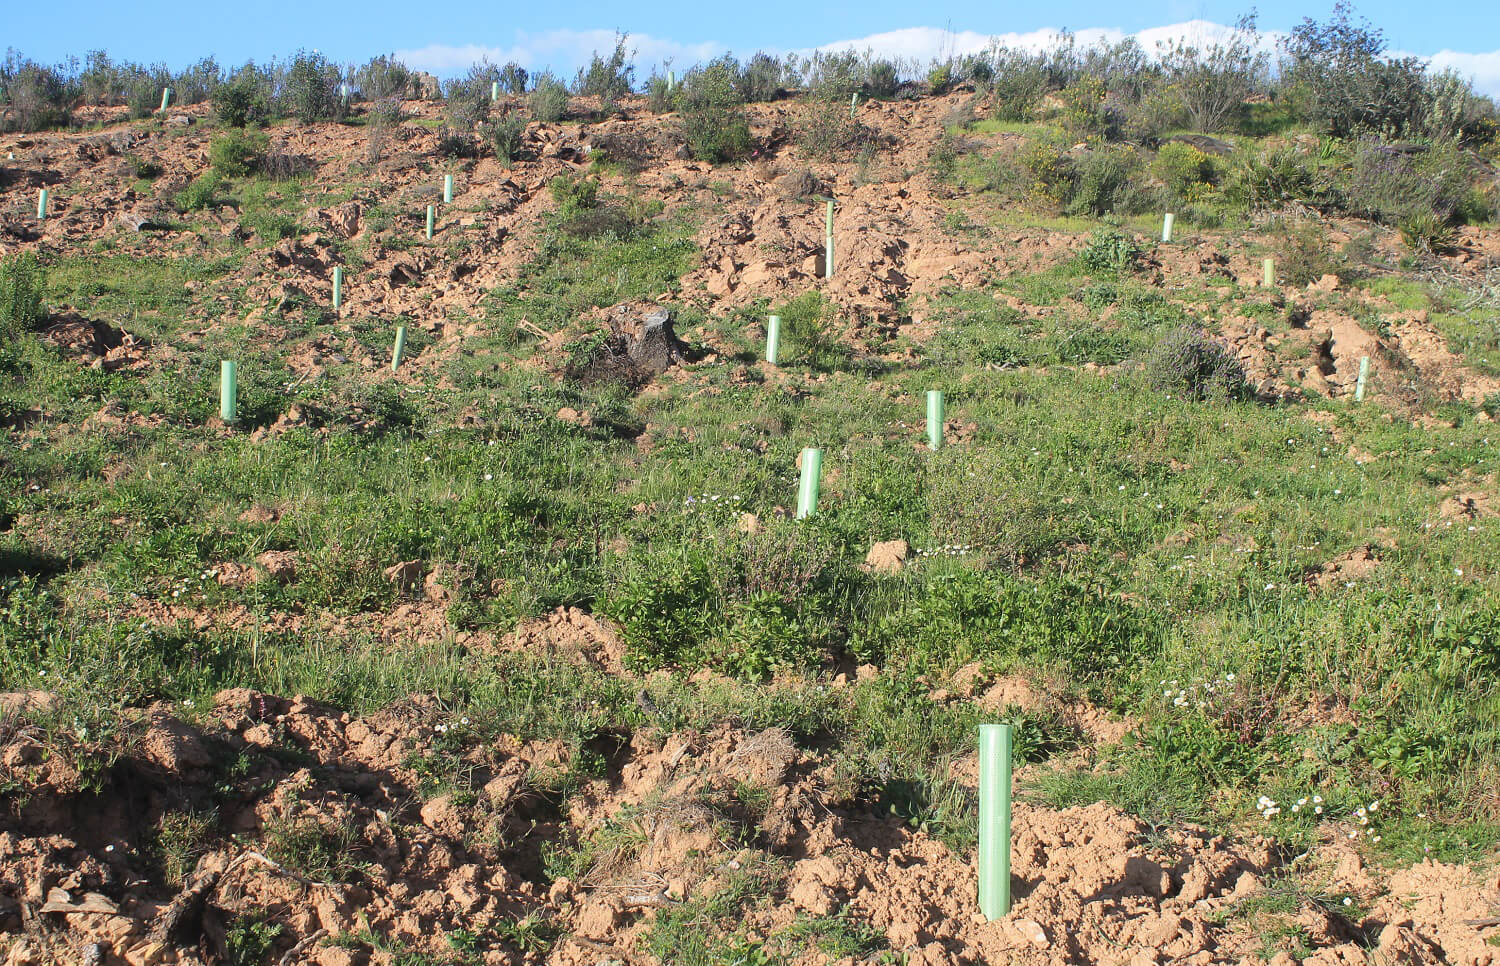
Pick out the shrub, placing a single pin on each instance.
(713, 116)
(1214, 82)
(660, 97)
(1187, 172)
(505, 136)
(196, 84)
(548, 101)
(1018, 80)
(310, 91)
(1344, 83)
(1190, 363)
(834, 76)
(200, 193)
(237, 154)
(940, 78)
(22, 281)
(243, 99)
(512, 79)
(383, 77)
(826, 132)
(1109, 252)
(881, 79)
(37, 97)
(1049, 170)
(1274, 176)
(1394, 187)
(810, 329)
(1099, 180)
(1087, 112)
(143, 88)
(1302, 252)
(468, 108)
(609, 80)
(760, 79)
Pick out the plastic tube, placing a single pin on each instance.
(812, 479)
(994, 820)
(494, 90)
(431, 216)
(773, 339)
(1166, 227)
(400, 348)
(338, 288)
(1268, 272)
(828, 243)
(41, 205)
(934, 418)
(1364, 375)
(229, 393)
(447, 189)
(166, 98)
(853, 104)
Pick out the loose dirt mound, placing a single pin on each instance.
(343, 827)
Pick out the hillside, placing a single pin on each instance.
(516, 654)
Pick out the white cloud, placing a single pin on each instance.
(1482, 69)
(564, 51)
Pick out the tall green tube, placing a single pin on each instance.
(400, 348)
(1364, 375)
(1268, 272)
(494, 90)
(338, 288)
(1166, 227)
(812, 481)
(431, 217)
(166, 98)
(41, 205)
(773, 339)
(994, 820)
(828, 242)
(447, 189)
(671, 81)
(853, 104)
(934, 418)
(229, 391)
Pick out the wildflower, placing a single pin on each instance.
(1318, 810)
(1348, 901)
(489, 476)
(1317, 799)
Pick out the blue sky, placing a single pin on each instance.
(444, 36)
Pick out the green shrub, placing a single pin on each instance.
(1214, 82)
(714, 121)
(809, 328)
(310, 91)
(1099, 180)
(607, 79)
(1302, 251)
(548, 101)
(22, 282)
(827, 132)
(505, 136)
(760, 79)
(38, 96)
(243, 100)
(1087, 112)
(201, 193)
(940, 78)
(881, 80)
(1190, 363)
(383, 77)
(1018, 80)
(1188, 173)
(237, 153)
(1109, 252)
